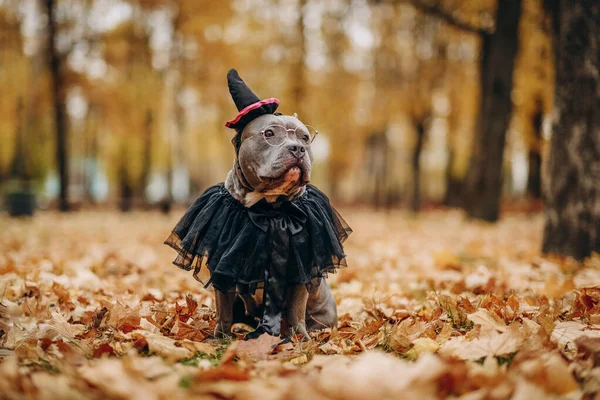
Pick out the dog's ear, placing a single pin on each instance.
(236, 141)
(294, 115)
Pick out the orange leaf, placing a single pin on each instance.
(104, 348)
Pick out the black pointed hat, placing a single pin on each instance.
(247, 103)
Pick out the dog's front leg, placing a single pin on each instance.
(250, 305)
(295, 317)
(224, 303)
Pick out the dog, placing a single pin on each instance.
(273, 172)
(265, 227)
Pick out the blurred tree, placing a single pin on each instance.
(420, 129)
(147, 152)
(58, 98)
(534, 175)
(572, 191)
(483, 184)
(340, 85)
(532, 93)
(431, 68)
(18, 169)
(91, 148)
(130, 100)
(151, 97)
(13, 72)
(462, 89)
(377, 160)
(298, 63)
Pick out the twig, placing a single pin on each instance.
(438, 11)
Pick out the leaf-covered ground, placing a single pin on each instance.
(432, 306)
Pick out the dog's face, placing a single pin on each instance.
(276, 169)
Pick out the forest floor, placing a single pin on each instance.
(431, 306)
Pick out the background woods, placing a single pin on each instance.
(417, 101)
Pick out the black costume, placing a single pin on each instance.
(270, 245)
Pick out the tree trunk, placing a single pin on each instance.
(91, 153)
(377, 167)
(483, 184)
(18, 168)
(126, 200)
(416, 167)
(453, 195)
(572, 187)
(299, 81)
(534, 178)
(147, 155)
(58, 98)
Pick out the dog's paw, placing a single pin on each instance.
(258, 332)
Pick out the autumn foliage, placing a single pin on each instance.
(91, 307)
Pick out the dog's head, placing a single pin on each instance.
(275, 154)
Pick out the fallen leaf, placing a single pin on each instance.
(422, 346)
(260, 348)
(489, 343)
(111, 377)
(374, 375)
(330, 348)
(565, 334)
(104, 348)
(165, 346)
(227, 372)
(558, 377)
(59, 325)
(299, 360)
(487, 320)
(181, 330)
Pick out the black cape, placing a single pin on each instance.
(237, 244)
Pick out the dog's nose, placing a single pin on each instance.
(297, 151)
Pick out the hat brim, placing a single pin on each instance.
(254, 110)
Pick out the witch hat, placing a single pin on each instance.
(247, 103)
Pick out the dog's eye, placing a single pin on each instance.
(306, 138)
(268, 133)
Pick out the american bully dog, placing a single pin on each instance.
(267, 236)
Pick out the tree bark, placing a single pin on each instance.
(147, 155)
(377, 161)
(18, 169)
(299, 81)
(572, 186)
(453, 194)
(416, 167)
(126, 198)
(534, 178)
(58, 98)
(91, 153)
(483, 184)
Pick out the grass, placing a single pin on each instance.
(501, 360)
(214, 359)
(43, 364)
(186, 382)
(459, 320)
